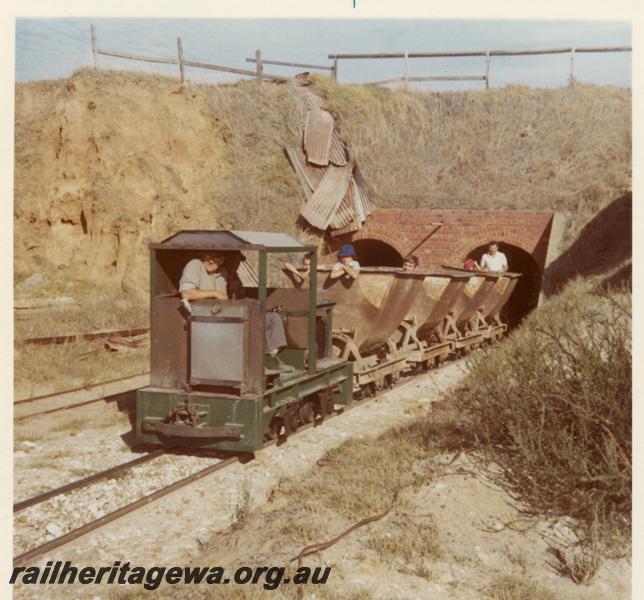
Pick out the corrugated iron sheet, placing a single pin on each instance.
(326, 199)
(345, 215)
(318, 132)
(247, 275)
(308, 175)
(337, 153)
(364, 198)
(311, 100)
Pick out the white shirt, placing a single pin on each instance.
(195, 276)
(355, 265)
(494, 263)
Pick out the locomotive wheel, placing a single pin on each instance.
(274, 429)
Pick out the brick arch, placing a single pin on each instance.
(469, 244)
(384, 237)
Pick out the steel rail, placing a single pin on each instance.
(80, 483)
(92, 335)
(78, 389)
(146, 500)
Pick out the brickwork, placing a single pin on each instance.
(463, 231)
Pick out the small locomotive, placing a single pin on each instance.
(212, 383)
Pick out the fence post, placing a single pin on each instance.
(94, 52)
(258, 66)
(335, 69)
(181, 66)
(406, 75)
(572, 66)
(487, 70)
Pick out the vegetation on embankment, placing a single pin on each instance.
(106, 161)
(552, 406)
(563, 149)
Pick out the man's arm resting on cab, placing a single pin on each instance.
(197, 294)
(351, 272)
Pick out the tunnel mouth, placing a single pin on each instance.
(376, 253)
(525, 297)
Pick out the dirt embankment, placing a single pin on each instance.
(107, 161)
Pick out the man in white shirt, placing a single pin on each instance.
(494, 260)
(206, 277)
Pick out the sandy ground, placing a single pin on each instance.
(463, 509)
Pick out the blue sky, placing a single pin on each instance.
(50, 48)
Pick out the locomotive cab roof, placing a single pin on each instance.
(224, 239)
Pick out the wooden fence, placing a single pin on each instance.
(405, 78)
(488, 54)
(258, 73)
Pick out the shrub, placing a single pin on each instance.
(553, 405)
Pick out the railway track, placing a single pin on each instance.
(146, 500)
(53, 397)
(80, 483)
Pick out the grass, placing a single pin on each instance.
(509, 587)
(75, 364)
(564, 149)
(411, 542)
(552, 405)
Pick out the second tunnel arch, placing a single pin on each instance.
(525, 296)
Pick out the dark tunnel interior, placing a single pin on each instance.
(374, 253)
(526, 294)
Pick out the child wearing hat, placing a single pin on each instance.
(347, 266)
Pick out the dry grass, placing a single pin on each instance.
(407, 541)
(553, 406)
(566, 149)
(518, 588)
(76, 363)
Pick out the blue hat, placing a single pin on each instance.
(346, 250)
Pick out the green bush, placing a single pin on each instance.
(553, 405)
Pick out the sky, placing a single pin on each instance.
(48, 48)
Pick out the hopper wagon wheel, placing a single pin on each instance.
(367, 390)
(305, 412)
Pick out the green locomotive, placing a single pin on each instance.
(212, 383)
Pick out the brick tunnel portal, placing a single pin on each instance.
(374, 252)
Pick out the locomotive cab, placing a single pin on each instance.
(212, 383)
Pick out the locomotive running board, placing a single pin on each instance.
(224, 433)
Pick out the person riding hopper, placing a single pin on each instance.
(347, 268)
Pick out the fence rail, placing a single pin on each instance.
(180, 60)
(488, 54)
(405, 78)
(291, 64)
